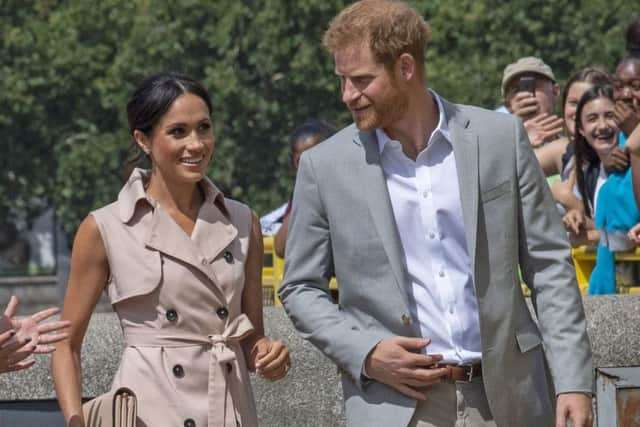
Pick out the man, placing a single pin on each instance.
(422, 210)
(534, 105)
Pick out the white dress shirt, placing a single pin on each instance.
(425, 198)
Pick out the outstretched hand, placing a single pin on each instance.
(270, 358)
(397, 362)
(23, 337)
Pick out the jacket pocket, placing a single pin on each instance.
(528, 339)
(496, 191)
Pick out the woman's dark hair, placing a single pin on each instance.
(590, 75)
(310, 129)
(586, 156)
(150, 101)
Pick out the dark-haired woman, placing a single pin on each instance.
(302, 138)
(610, 209)
(182, 266)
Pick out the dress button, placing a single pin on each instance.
(228, 256)
(189, 423)
(222, 312)
(172, 315)
(178, 371)
(204, 262)
(229, 367)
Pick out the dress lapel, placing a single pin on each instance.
(465, 150)
(380, 207)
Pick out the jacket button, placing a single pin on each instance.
(189, 423)
(222, 312)
(406, 319)
(229, 367)
(178, 371)
(172, 315)
(228, 256)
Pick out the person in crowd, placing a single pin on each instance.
(557, 157)
(530, 91)
(422, 209)
(22, 337)
(627, 92)
(633, 144)
(182, 266)
(302, 138)
(609, 208)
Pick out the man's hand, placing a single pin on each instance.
(617, 160)
(627, 117)
(397, 362)
(575, 407)
(543, 128)
(524, 105)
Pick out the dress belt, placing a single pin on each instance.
(463, 372)
(223, 353)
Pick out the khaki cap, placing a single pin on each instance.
(528, 64)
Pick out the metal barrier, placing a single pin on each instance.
(584, 259)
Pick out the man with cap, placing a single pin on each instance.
(533, 104)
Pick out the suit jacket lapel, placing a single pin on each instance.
(465, 150)
(380, 207)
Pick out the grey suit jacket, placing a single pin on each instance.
(342, 224)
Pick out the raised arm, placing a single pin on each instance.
(87, 280)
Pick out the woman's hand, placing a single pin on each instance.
(23, 337)
(270, 358)
(574, 221)
(634, 234)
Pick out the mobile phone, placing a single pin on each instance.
(527, 84)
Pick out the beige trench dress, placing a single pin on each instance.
(178, 299)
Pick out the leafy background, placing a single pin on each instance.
(68, 67)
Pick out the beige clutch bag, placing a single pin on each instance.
(117, 408)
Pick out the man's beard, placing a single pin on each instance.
(383, 113)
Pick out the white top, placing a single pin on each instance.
(271, 222)
(425, 198)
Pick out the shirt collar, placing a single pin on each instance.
(442, 127)
(133, 192)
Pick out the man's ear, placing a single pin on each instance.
(142, 141)
(556, 90)
(406, 66)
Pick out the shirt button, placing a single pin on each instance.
(222, 312)
(189, 423)
(432, 235)
(441, 273)
(172, 315)
(228, 256)
(178, 371)
(425, 193)
(451, 310)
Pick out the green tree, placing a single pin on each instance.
(68, 67)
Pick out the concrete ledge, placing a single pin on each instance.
(311, 394)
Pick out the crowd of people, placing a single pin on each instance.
(422, 209)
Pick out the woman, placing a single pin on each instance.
(557, 156)
(182, 267)
(303, 137)
(608, 202)
(20, 338)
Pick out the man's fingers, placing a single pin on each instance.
(412, 344)
(425, 377)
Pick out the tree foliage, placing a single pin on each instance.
(68, 67)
